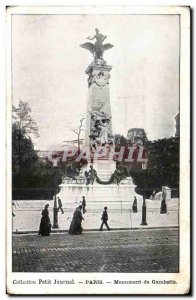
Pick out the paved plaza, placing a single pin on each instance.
(28, 214)
(132, 251)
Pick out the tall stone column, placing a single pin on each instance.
(99, 105)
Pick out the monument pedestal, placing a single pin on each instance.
(104, 168)
(99, 143)
(98, 105)
(99, 195)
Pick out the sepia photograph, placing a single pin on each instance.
(98, 143)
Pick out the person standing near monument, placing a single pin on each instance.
(45, 225)
(134, 207)
(60, 206)
(104, 219)
(83, 204)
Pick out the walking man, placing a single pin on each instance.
(83, 204)
(104, 219)
(60, 206)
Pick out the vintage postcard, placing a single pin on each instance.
(98, 150)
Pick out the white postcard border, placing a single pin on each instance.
(183, 277)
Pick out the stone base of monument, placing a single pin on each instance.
(97, 196)
(105, 168)
(118, 198)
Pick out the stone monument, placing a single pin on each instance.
(99, 139)
(99, 180)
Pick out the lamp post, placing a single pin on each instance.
(55, 208)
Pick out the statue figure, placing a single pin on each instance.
(98, 48)
(98, 117)
(105, 130)
(90, 175)
(100, 131)
(72, 170)
(119, 174)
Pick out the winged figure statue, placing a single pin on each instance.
(98, 48)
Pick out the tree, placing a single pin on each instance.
(31, 178)
(79, 130)
(23, 126)
(163, 160)
(23, 153)
(162, 167)
(23, 120)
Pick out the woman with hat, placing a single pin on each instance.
(45, 225)
(76, 223)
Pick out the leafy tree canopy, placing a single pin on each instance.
(23, 120)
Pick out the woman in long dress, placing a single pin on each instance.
(76, 223)
(45, 225)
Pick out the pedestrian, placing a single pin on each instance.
(134, 206)
(45, 225)
(83, 204)
(76, 223)
(104, 219)
(60, 206)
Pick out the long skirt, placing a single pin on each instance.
(75, 226)
(45, 226)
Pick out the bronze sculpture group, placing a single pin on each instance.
(98, 48)
(100, 134)
(118, 175)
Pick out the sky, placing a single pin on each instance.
(48, 71)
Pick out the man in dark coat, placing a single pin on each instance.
(104, 219)
(60, 206)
